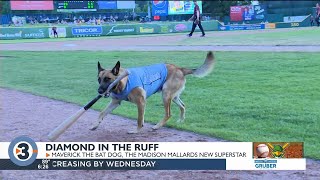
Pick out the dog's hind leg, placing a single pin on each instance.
(181, 105)
(167, 98)
(112, 105)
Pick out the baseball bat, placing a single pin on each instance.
(68, 122)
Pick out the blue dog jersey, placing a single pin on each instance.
(150, 78)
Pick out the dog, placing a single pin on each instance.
(137, 84)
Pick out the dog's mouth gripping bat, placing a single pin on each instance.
(114, 83)
(68, 122)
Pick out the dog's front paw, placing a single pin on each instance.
(94, 127)
(180, 121)
(134, 131)
(156, 127)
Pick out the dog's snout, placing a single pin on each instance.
(103, 87)
(100, 91)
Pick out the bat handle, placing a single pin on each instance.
(86, 107)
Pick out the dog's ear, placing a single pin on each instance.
(115, 70)
(99, 67)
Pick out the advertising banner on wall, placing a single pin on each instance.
(109, 4)
(24, 33)
(107, 30)
(294, 18)
(242, 27)
(119, 30)
(31, 5)
(126, 4)
(87, 31)
(270, 25)
(236, 13)
(247, 13)
(159, 7)
(182, 7)
(259, 12)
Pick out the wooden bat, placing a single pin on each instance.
(285, 146)
(270, 145)
(68, 122)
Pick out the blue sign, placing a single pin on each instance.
(86, 31)
(242, 27)
(110, 4)
(259, 12)
(248, 13)
(160, 8)
(265, 164)
(224, 28)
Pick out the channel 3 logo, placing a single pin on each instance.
(23, 151)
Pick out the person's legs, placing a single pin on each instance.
(192, 30)
(201, 28)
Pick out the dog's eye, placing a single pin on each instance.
(99, 80)
(106, 79)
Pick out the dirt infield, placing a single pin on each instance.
(35, 116)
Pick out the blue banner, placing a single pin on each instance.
(110, 4)
(248, 13)
(159, 8)
(242, 27)
(88, 30)
(259, 12)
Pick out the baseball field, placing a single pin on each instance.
(265, 87)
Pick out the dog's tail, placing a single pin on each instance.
(205, 69)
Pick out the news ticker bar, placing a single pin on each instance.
(156, 164)
(25, 154)
(118, 164)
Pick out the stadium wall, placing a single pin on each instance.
(106, 30)
(303, 23)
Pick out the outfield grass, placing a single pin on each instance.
(250, 96)
(294, 36)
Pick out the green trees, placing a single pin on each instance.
(4, 7)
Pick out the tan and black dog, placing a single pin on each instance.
(137, 84)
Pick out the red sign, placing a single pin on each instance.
(180, 27)
(236, 13)
(31, 5)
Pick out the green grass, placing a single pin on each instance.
(250, 96)
(293, 36)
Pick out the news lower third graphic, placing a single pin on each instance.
(278, 150)
(23, 153)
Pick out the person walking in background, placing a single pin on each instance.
(317, 14)
(55, 33)
(311, 21)
(196, 20)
